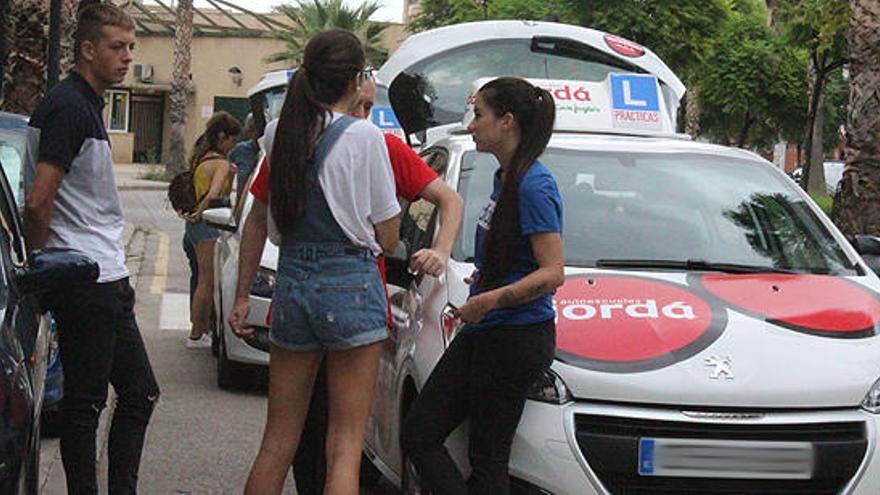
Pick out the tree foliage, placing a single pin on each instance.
(817, 26)
(752, 86)
(436, 13)
(678, 32)
(310, 17)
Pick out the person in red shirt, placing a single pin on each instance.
(414, 179)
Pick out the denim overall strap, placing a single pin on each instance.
(318, 224)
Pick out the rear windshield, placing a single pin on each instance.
(643, 206)
(446, 78)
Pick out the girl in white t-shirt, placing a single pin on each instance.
(331, 196)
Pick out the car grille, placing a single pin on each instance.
(611, 448)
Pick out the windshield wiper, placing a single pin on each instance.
(692, 264)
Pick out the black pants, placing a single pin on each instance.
(483, 377)
(100, 344)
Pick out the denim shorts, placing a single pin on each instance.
(327, 296)
(200, 231)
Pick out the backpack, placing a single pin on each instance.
(182, 192)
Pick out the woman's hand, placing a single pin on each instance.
(238, 317)
(193, 217)
(476, 308)
(430, 261)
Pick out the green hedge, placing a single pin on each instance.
(824, 202)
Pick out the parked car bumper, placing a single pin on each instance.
(587, 448)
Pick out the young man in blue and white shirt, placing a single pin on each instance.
(72, 202)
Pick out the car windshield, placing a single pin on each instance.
(639, 208)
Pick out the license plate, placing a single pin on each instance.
(745, 459)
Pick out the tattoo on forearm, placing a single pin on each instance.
(508, 298)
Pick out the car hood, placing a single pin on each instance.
(718, 340)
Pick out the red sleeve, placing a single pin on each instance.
(260, 186)
(383, 272)
(411, 173)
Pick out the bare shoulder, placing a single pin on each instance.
(215, 164)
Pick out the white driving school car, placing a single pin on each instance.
(715, 334)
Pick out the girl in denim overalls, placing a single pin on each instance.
(332, 197)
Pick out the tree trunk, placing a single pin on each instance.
(25, 74)
(53, 69)
(816, 85)
(68, 29)
(692, 113)
(4, 42)
(180, 86)
(857, 202)
(816, 156)
(744, 130)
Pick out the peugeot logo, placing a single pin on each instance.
(720, 366)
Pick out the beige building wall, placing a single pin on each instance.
(212, 57)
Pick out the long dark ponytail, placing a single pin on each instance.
(534, 111)
(331, 61)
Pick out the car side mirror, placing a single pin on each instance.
(56, 269)
(220, 218)
(866, 244)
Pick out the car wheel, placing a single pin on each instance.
(229, 373)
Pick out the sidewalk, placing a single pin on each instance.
(129, 177)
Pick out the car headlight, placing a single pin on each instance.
(264, 283)
(871, 402)
(549, 387)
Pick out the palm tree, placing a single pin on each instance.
(25, 66)
(857, 202)
(180, 86)
(310, 17)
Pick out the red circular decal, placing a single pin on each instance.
(819, 304)
(624, 46)
(625, 323)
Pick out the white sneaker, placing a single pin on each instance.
(203, 342)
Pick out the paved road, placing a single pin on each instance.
(201, 439)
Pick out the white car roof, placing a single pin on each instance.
(271, 80)
(446, 38)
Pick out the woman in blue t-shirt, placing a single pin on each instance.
(510, 336)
